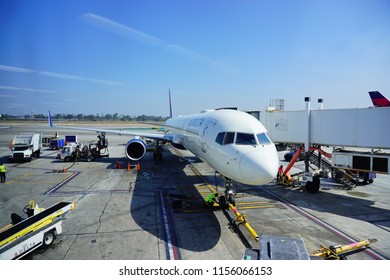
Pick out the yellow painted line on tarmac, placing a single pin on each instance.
(18, 178)
(254, 202)
(67, 177)
(29, 183)
(255, 207)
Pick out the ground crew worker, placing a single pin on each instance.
(2, 172)
(279, 175)
(211, 199)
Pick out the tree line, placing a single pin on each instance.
(82, 117)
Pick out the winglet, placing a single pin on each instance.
(170, 105)
(50, 120)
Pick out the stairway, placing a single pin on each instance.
(342, 176)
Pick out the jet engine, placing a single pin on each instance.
(135, 149)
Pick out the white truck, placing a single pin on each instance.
(25, 146)
(70, 151)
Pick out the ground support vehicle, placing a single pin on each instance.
(25, 146)
(70, 152)
(75, 151)
(38, 230)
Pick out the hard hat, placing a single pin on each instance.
(230, 192)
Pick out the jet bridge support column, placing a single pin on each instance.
(307, 136)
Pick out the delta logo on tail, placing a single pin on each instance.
(378, 99)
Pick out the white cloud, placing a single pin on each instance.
(16, 105)
(57, 75)
(27, 89)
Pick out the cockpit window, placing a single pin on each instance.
(225, 138)
(229, 138)
(245, 139)
(263, 139)
(220, 137)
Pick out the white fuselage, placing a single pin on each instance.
(232, 142)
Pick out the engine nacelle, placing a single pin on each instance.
(135, 149)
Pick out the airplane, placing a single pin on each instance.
(234, 143)
(378, 99)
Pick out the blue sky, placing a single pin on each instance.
(123, 56)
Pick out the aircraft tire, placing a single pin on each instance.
(232, 200)
(222, 202)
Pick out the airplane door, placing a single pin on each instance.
(205, 130)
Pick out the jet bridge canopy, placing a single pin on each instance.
(358, 127)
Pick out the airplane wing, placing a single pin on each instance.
(154, 136)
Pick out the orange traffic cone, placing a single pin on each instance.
(64, 169)
(138, 167)
(128, 166)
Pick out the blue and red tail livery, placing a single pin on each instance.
(378, 99)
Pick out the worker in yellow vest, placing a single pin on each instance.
(211, 199)
(2, 172)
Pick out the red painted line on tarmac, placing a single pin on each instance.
(170, 240)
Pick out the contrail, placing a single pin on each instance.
(147, 39)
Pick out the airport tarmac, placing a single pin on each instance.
(129, 215)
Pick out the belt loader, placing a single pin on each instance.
(38, 230)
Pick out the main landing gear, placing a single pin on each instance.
(157, 154)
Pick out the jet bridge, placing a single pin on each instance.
(366, 130)
(358, 127)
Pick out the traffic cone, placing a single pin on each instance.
(128, 166)
(64, 169)
(138, 166)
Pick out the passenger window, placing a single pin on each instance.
(229, 138)
(263, 139)
(245, 139)
(220, 137)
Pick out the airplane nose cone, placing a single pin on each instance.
(259, 167)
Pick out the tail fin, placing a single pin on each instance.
(49, 119)
(170, 105)
(378, 99)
